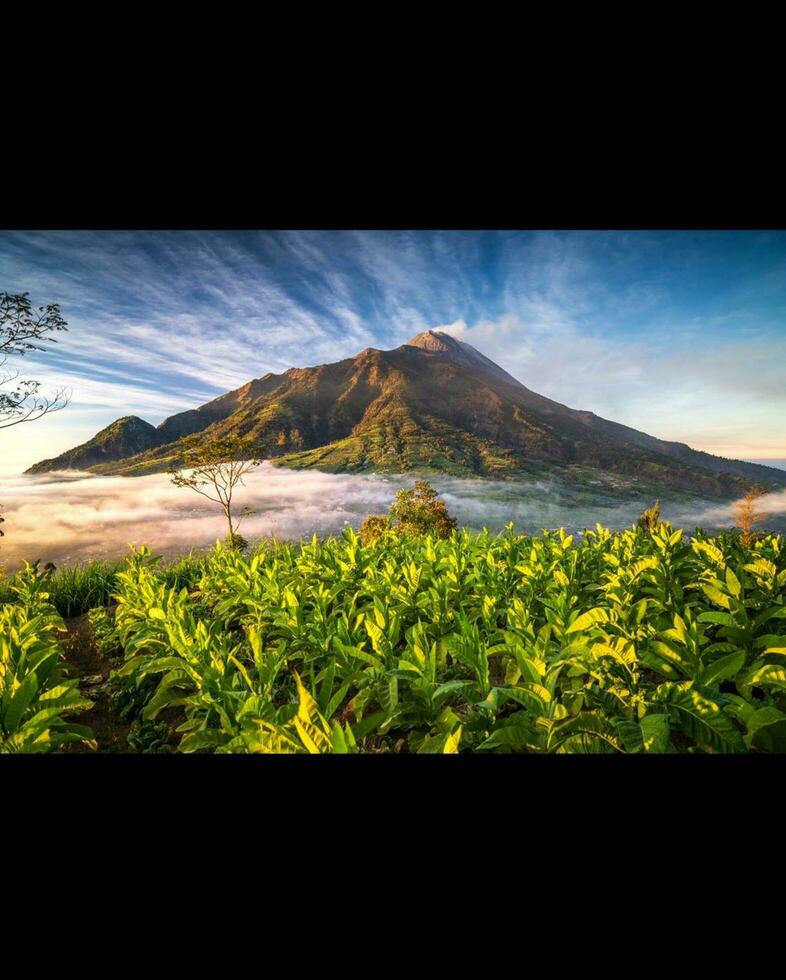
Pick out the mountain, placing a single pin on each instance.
(433, 404)
(124, 437)
(130, 436)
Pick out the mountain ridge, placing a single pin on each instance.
(435, 403)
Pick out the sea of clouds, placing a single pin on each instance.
(71, 516)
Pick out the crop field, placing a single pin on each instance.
(639, 641)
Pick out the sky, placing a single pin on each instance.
(679, 334)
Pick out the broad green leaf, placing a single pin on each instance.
(715, 595)
(733, 583)
(588, 619)
(655, 730)
(767, 730)
(699, 717)
(19, 702)
(723, 669)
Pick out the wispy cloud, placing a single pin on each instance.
(677, 334)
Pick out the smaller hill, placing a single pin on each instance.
(124, 437)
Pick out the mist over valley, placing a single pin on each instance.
(66, 517)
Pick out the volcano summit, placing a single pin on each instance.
(434, 404)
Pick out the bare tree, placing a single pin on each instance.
(213, 469)
(21, 331)
(745, 514)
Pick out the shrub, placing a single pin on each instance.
(373, 528)
(35, 696)
(104, 633)
(236, 542)
(419, 511)
(650, 519)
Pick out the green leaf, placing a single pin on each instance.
(769, 674)
(450, 687)
(516, 734)
(722, 619)
(722, 669)
(20, 702)
(699, 718)
(433, 745)
(200, 740)
(767, 730)
(715, 595)
(672, 656)
(655, 730)
(367, 725)
(650, 734)
(339, 740)
(588, 619)
(584, 732)
(733, 583)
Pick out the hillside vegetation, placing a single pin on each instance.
(433, 404)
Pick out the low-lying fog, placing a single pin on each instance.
(67, 517)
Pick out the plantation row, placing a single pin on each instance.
(640, 641)
(36, 698)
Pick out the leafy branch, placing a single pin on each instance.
(22, 330)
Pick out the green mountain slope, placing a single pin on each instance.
(123, 438)
(432, 404)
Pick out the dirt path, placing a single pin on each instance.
(84, 662)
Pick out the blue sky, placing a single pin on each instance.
(680, 334)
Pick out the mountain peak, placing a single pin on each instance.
(436, 340)
(435, 403)
(440, 342)
(123, 437)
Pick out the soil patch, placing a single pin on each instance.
(84, 662)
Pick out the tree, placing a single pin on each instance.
(416, 512)
(213, 469)
(419, 511)
(746, 515)
(21, 331)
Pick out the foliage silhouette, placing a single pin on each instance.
(22, 331)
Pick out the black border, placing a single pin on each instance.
(665, 800)
(159, 179)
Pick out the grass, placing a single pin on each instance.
(76, 589)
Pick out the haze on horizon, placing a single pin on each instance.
(70, 517)
(678, 334)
